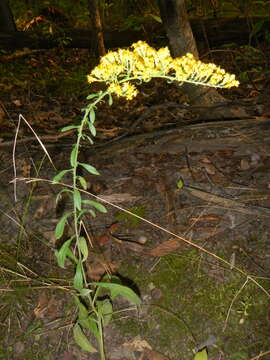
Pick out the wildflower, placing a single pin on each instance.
(125, 89)
(118, 68)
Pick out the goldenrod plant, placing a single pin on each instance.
(121, 71)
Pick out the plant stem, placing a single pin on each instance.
(91, 300)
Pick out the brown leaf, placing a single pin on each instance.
(47, 306)
(154, 355)
(205, 160)
(205, 218)
(165, 248)
(96, 271)
(103, 239)
(42, 305)
(210, 169)
(113, 227)
(17, 102)
(133, 246)
(53, 308)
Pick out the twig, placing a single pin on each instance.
(52, 138)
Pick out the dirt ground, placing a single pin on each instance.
(200, 262)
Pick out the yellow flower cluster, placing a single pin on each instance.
(125, 89)
(188, 69)
(143, 63)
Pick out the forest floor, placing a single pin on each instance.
(190, 298)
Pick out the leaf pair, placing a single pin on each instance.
(119, 290)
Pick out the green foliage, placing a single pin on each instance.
(60, 227)
(98, 311)
(201, 355)
(82, 340)
(119, 290)
(239, 355)
(94, 312)
(180, 184)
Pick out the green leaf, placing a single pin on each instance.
(77, 199)
(95, 204)
(59, 229)
(78, 277)
(111, 278)
(157, 18)
(89, 139)
(91, 96)
(105, 309)
(110, 100)
(83, 247)
(85, 292)
(92, 212)
(91, 324)
(92, 129)
(180, 184)
(61, 254)
(72, 256)
(201, 355)
(91, 169)
(82, 182)
(80, 214)
(59, 176)
(85, 319)
(92, 116)
(82, 340)
(83, 312)
(70, 127)
(73, 155)
(120, 290)
(59, 195)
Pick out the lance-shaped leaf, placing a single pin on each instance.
(72, 256)
(83, 182)
(59, 230)
(78, 277)
(120, 290)
(92, 116)
(95, 204)
(73, 155)
(85, 319)
(91, 96)
(70, 127)
(59, 176)
(62, 253)
(82, 340)
(91, 169)
(83, 247)
(59, 195)
(105, 310)
(92, 129)
(77, 199)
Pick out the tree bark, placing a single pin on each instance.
(97, 25)
(177, 27)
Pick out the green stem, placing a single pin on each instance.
(74, 170)
(75, 216)
(101, 340)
